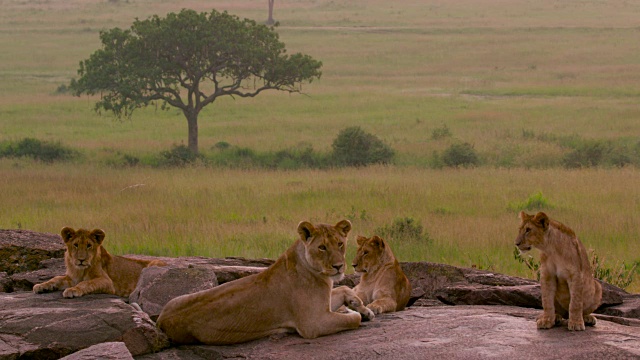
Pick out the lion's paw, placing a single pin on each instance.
(589, 320)
(377, 309)
(72, 292)
(367, 314)
(546, 322)
(39, 288)
(576, 325)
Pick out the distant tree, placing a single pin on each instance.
(270, 20)
(186, 61)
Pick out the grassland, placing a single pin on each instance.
(491, 71)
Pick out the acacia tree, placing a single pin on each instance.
(188, 60)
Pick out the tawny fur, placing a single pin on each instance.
(90, 269)
(383, 285)
(292, 295)
(568, 287)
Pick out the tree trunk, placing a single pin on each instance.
(192, 121)
(270, 20)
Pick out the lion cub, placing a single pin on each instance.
(292, 295)
(383, 285)
(92, 270)
(566, 281)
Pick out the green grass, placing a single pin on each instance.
(520, 81)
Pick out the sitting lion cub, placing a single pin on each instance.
(92, 270)
(292, 295)
(383, 285)
(566, 281)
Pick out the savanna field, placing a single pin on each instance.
(546, 94)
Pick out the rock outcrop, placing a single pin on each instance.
(493, 317)
(441, 332)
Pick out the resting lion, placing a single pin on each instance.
(383, 285)
(91, 269)
(567, 284)
(292, 295)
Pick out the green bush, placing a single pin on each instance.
(179, 155)
(441, 133)
(460, 155)
(38, 150)
(404, 229)
(535, 201)
(621, 275)
(587, 154)
(355, 147)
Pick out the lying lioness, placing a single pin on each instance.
(90, 269)
(292, 295)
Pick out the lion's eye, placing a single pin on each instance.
(340, 245)
(527, 230)
(365, 253)
(88, 246)
(75, 246)
(322, 248)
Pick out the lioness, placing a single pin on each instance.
(293, 294)
(91, 269)
(383, 285)
(566, 281)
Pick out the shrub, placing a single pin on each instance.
(440, 133)
(404, 229)
(179, 155)
(123, 160)
(301, 156)
(38, 150)
(355, 147)
(587, 154)
(621, 275)
(535, 201)
(460, 154)
(532, 264)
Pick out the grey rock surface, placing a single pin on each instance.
(441, 332)
(103, 351)
(158, 285)
(48, 326)
(23, 250)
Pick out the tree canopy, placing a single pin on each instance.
(187, 60)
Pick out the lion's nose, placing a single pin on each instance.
(338, 267)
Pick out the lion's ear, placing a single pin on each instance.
(361, 240)
(343, 227)
(67, 233)
(542, 220)
(305, 229)
(377, 242)
(97, 235)
(523, 216)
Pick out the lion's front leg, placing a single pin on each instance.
(344, 295)
(548, 286)
(56, 283)
(326, 323)
(93, 286)
(383, 305)
(576, 320)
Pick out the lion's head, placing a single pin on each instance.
(372, 252)
(325, 247)
(532, 230)
(82, 245)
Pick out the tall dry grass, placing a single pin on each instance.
(468, 214)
